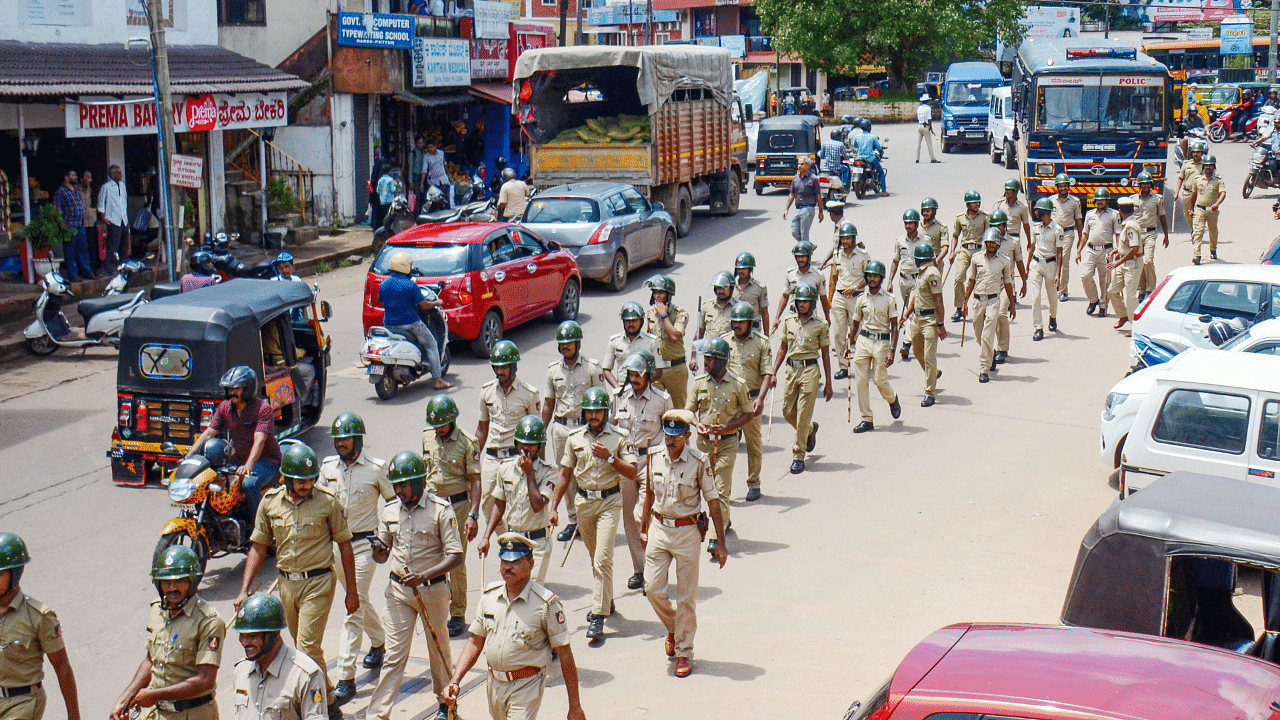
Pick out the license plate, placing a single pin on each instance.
(376, 369)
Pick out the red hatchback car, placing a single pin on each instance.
(495, 276)
(1052, 672)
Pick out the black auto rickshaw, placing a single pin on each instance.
(780, 142)
(173, 352)
(1193, 557)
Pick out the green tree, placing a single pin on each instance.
(903, 35)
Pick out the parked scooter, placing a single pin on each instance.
(397, 221)
(392, 360)
(479, 211)
(103, 317)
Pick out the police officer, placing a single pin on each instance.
(747, 289)
(273, 681)
(518, 625)
(1148, 208)
(990, 274)
(720, 402)
(567, 379)
(526, 484)
(1015, 209)
(1068, 216)
(503, 401)
(716, 311)
(1101, 225)
(1012, 247)
(933, 231)
(875, 325)
(804, 272)
(177, 678)
(1209, 190)
(904, 265)
(357, 480)
(849, 262)
(1191, 169)
(453, 474)
(29, 632)
(302, 521)
(420, 537)
(924, 313)
(967, 231)
(804, 340)
(673, 530)
(1047, 248)
(597, 458)
(641, 405)
(751, 361)
(1125, 263)
(632, 339)
(668, 322)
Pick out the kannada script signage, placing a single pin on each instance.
(190, 114)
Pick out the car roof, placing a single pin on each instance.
(458, 233)
(980, 71)
(1057, 671)
(1230, 271)
(1210, 366)
(1265, 329)
(584, 189)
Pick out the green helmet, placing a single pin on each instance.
(999, 217)
(972, 196)
(299, 461)
(1044, 205)
(875, 267)
(441, 410)
(928, 204)
(1061, 179)
(911, 215)
(1209, 160)
(1102, 194)
(641, 362)
(1144, 177)
(804, 248)
(504, 352)
(742, 312)
(408, 467)
(1012, 184)
(595, 398)
(847, 230)
(1198, 146)
(346, 425)
(993, 235)
(745, 260)
(531, 430)
(718, 350)
(260, 613)
(177, 562)
(663, 283)
(13, 552)
(806, 291)
(632, 311)
(722, 280)
(569, 331)
(924, 252)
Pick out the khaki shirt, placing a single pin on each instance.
(451, 461)
(1148, 212)
(754, 294)
(1018, 213)
(805, 340)
(641, 415)
(1187, 176)
(1130, 237)
(904, 251)
(1101, 228)
(291, 688)
(990, 274)
(716, 403)
(420, 538)
(875, 312)
(513, 489)
(621, 347)
(1048, 238)
(927, 285)
(811, 276)
(849, 268)
(522, 632)
(1066, 213)
(969, 230)
(178, 646)
(357, 487)
(680, 485)
(936, 233)
(29, 631)
(502, 409)
(1208, 190)
(750, 359)
(591, 472)
(303, 531)
(716, 318)
(567, 384)
(667, 350)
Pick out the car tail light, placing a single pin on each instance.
(601, 234)
(1150, 299)
(206, 415)
(143, 421)
(880, 713)
(126, 410)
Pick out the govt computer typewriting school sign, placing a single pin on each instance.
(1237, 35)
(376, 30)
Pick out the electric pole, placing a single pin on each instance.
(1271, 54)
(164, 123)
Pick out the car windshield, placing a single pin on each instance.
(562, 210)
(1092, 104)
(1224, 96)
(970, 94)
(429, 260)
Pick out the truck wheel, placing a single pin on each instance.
(946, 147)
(668, 257)
(1010, 157)
(734, 198)
(386, 387)
(618, 273)
(684, 211)
(759, 188)
(490, 334)
(570, 298)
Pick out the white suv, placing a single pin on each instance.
(1193, 296)
(1000, 134)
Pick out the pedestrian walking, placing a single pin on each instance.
(804, 340)
(30, 633)
(452, 457)
(904, 265)
(1069, 216)
(631, 340)
(751, 361)
(417, 171)
(1010, 246)
(924, 134)
(848, 263)
(1101, 225)
(967, 232)
(805, 194)
(875, 327)
(273, 681)
(70, 205)
(668, 322)
(522, 495)
(503, 401)
(990, 274)
(1210, 191)
(1125, 263)
(803, 272)
(722, 405)
(924, 313)
(933, 231)
(1192, 167)
(749, 290)
(1148, 208)
(113, 208)
(567, 379)
(641, 405)
(1047, 248)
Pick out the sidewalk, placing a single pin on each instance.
(17, 300)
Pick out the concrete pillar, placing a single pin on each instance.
(217, 190)
(342, 126)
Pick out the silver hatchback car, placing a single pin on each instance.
(610, 227)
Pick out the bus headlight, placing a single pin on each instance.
(1044, 169)
(1156, 169)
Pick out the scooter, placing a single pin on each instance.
(392, 360)
(1220, 129)
(103, 317)
(1262, 172)
(396, 221)
(832, 186)
(1149, 352)
(479, 211)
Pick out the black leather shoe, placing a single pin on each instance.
(567, 532)
(1038, 335)
(1001, 357)
(841, 374)
(753, 494)
(1053, 324)
(457, 626)
(1092, 306)
(993, 366)
(712, 545)
(1213, 254)
(373, 660)
(895, 409)
(797, 467)
(335, 712)
(1062, 296)
(956, 316)
(344, 691)
(928, 401)
(813, 439)
(595, 626)
(445, 713)
(635, 582)
(864, 426)
(981, 378)
(1102, 312)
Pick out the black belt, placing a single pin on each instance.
(906, 274)
(753, 393)
(1073, 227)
(182, 705)
(1048, 260)
(362, 535)
(971, 245)
(676, 363)
(1104, 247)
(874, 335)
(1205, 207)
(534, 534)
(992, 296)
(569, 421)
(802, 363)
(599, 494)
(306, 574)
(460, 497)
(1150, 229)
(501, 453)
(925, 312)
(27, 690)
(642, 451)
(437, 579)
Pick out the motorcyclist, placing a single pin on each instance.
(833, 155)
(1272, 140)
(251, 422)
(283, 265)
(401, 300)
(1247, 108)
(869, 149)
(202, 272)
(496, 183)
(513, 196)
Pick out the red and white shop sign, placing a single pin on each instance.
(190, 114)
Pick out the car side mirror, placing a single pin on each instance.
(657, 204)
(1205, 318)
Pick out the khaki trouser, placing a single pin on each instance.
(1124, 288)
(906, 284)
(1205, 218)
(924, 337)
(959, 269)
(681, 545)
(1095, 266)
(403, 613)
(1069, 237)
(725, 455)
(870, 362)
(208, 711)
(924, 137)
(1147, 278)
(1188, 207)
(755, 450)
(984, 329)
(631, 514)
(1042, 276)
(306, 611)
(675, 380)
(30, 706)
(799, 395)
(458, 576)
(516, 699)
(1002, 324)
(488, 479)
(559, 434)
(365, 620)
(841, 319)
(598, 525)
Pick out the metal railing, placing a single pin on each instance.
(281, 166)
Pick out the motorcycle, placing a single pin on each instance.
(103, 316)
(832, 186)
(1223, 120)
(863, 178)
(1149, 352)
(391, 360)
(397, 220)
(479, 211)
(1262, 171)
(229, 266)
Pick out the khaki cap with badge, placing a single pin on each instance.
(677, 422)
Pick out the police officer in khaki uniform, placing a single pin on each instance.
(273, 681)
(667, 321)
(680, 481)
(990, 274)
(518, 625)
(1125, 263)
(933, 231)
(848, 262)
(1101, 225)
(751, 361)
(302, 521)
(357, 480)
(641, 405)
(420, 536)
(633, 338)
(29, 631)
(1015, 209)
(924, 313)
(967, 232)
(567, 379)
(177, 678)
(1210, 191)
(503, 401)
(597, 457)
(803, 272)
(1191, 169)
(716, 311)
(526, 484)
(875, 325)
(720, 402)
(1011, 247)
(904, 267)
(748, 290)
(804, 340)
(1068, 215)
(1048, 251)
(453, 474)
(1148, 208)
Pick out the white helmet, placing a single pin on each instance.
(401, 262)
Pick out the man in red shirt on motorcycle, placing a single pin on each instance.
(251, 424)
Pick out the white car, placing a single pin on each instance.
(1191, 297)
(1000, 121)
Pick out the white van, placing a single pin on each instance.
(1213, 413)
(1000, 143)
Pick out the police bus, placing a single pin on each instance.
(1097, 110)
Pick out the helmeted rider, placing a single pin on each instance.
(202, 273)
(251, 423)
(832, 154)
(868, 147)
(401, 300)
(513, 196)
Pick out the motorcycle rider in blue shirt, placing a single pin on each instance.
(869, 147)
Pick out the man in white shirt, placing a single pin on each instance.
(512, 197)
(924, 117)
(113, 208)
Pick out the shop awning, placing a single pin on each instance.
(58, 70)
(435, 99)
(494, 92)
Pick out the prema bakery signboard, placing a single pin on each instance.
(190, 114)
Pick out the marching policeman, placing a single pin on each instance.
(875, 326)
(1015, 209)
(751, 361)
(722, 406)
(641, 406)
(503, 401)
(420, 536)
(526, 484)
(1012, 247)
(518, 625)
(667, 321)
(1125, 264)
(1148, 208)
(672, 527)
(1209, 191)
(803, 272)
(302, 521)
(933, 231)
(716, 311)
(1101, 225)
(1191, 169)
(904, 265)
(924, 312)
(967, 231)
(849, 263)
(1048, 250)
(453, 474)
(990, 274)
(633, 338)
(177, 678)
(273, 681)
(357, 480)
(567, 379)
(29, 631)
(804, 340)
(748, 290)
(1069, 217)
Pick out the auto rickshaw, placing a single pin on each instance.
(173, 352)
(780, 142)
(1192, 557)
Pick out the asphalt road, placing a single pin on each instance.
(970, 510)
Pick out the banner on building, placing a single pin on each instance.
(1236, 34)
(376, 30)
(491, 19)
(489, 58)
(190, 114)
(441, 62)
(186, 171)
(1181, 11)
